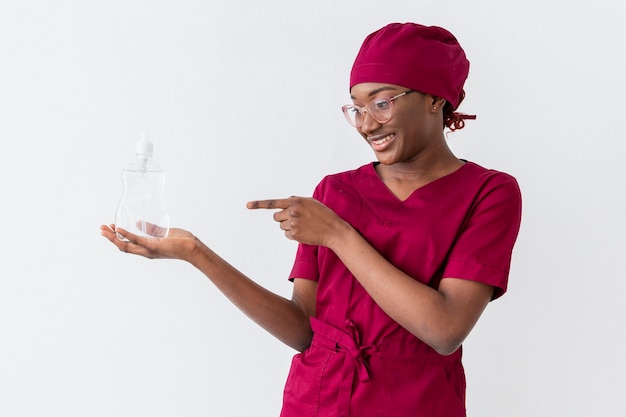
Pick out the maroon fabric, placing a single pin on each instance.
(423, 58)
(361, 362)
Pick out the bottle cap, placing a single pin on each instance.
(144, 146)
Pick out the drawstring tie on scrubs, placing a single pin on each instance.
(349, 342)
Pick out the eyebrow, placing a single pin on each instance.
(378, 90)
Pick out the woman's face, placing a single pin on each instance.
(413, 127)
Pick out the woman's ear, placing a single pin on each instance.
(437, 103)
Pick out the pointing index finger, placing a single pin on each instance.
(280, 203)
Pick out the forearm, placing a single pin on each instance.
(427, 313)
(283, 318)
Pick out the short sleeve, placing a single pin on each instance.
(482, 251)
(305, 265)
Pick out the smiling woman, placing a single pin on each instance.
(397, 259)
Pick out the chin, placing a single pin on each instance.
(387, 158)
(386, 161)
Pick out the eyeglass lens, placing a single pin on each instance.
(379, 109)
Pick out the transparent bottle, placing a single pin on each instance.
(142, 209)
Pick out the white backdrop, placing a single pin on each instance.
(242, 101)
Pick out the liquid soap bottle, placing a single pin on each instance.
(142, 209)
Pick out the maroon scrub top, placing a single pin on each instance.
(361, 362)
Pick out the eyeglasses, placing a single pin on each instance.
(381, 110)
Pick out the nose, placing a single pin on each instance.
(369, 124)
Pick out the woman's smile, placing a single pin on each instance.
(380, 142)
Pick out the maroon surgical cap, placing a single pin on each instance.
(423, 58)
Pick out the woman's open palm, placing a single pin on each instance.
(179, 244)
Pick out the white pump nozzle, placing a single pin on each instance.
(144, 146)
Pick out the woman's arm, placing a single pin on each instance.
(287, 320)
(441, 318)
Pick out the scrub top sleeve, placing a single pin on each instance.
(482, 251)
(306, 265)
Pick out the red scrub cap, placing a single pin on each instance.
(428, 59)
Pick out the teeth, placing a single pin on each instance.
(383, 140)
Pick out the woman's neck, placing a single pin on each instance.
(405, 177)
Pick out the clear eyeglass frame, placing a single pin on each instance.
(380, 109)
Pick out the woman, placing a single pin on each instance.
(396, 259)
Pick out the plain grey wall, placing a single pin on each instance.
(242, 100)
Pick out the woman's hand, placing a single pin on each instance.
(304, 220)
(179, 244)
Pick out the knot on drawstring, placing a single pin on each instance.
(347, 341)
(356, 351)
